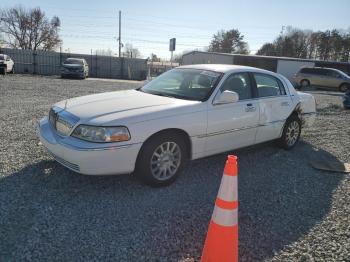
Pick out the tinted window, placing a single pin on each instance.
(239, 83)
(321, 71)
(332, 73)
(313, 71)
(268, 85)
(308, 71)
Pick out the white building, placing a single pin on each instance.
(284, 65)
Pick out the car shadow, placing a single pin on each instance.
(46, 208)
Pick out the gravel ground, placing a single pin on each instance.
(288, 210)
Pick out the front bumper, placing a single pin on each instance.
(88, 158)
(73, 74)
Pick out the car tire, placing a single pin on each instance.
(13, 70)
(162, 159)
(304, 83)
(291, 132)
(344, 87)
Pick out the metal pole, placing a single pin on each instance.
(120, 40)
(171, 60)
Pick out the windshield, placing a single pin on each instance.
(73, 61)
(2, 57)
(341, 72)
(191, 84)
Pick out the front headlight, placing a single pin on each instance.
(102, 133)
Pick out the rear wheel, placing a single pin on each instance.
(13, 70)
(291, 132)
(304, 83)
(344, 87)
(161, 159)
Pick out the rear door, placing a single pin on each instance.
(275, 106)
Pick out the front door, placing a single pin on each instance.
(233, 125)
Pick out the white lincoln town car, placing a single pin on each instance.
(187, 113)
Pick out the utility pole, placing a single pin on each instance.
(120, 41)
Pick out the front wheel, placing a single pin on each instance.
(291, 132)
(161, 159)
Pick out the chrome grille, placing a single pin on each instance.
(62, 121)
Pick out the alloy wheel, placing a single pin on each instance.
(292, 133)
(165, 160)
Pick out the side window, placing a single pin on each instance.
(332, 73)
(268, 85)
(304, 71)
(239, 83)
(307, 71)
(321, 72)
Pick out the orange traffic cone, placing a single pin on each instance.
(221, 244)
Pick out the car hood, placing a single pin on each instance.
(106, 107)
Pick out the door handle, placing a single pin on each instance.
(284, 103)
(250, 108)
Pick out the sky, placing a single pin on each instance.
(87, 26)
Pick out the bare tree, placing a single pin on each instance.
(104, 52)
(130, 51)
(327, 45)
(29, 29)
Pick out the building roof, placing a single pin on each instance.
(267, 57)
(222, 68)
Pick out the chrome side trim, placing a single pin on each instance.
(225, 132)
(237, 129)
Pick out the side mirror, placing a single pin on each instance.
(226, 97)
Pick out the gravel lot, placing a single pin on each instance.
(288, 210)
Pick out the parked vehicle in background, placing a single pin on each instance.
(75, 67)
(187, 113)
(320, 76)
(6, 64)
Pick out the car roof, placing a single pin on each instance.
(223, 68)
(316, 67)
